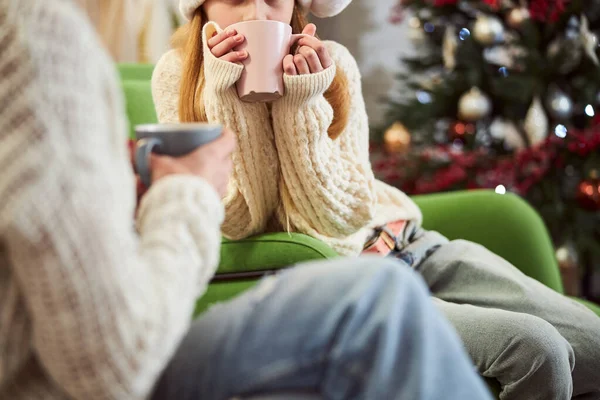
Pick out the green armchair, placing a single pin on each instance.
(505, 224)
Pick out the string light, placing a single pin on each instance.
(560, 131)
(589, 110)
(423, 97)
(464, 34)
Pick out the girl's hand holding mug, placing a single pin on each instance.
(311, 57)
(221, 45)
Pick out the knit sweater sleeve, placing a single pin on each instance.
(107, 307)
(328, 184)
(253, 189)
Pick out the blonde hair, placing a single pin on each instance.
(188, 40)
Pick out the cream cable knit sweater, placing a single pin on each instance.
(88, 309)
(327, 189)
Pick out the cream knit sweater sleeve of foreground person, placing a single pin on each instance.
(88, 308)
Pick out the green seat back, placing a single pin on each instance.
(134, 72)
(139, 104)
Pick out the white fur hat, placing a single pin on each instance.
(324, 8)
(320, 8)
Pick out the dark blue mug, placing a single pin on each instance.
(173, 140)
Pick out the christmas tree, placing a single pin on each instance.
(503, 95)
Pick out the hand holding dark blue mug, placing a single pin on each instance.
(173, 140)
(209, 158)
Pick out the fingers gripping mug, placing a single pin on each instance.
(267, 43)
(173, 140)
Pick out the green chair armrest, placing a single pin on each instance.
(265, 252)
(271, 251)
(505, 224)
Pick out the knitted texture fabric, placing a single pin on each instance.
(89, 308)
(286, 166)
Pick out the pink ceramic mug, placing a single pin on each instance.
(267, 43)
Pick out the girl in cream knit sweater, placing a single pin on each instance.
(302, 164)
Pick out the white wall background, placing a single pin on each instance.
(376, 44)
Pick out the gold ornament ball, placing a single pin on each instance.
(517, 16)
(474, 105)
(488, 30)
(396, 139)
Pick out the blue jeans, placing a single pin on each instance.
(361, 328)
